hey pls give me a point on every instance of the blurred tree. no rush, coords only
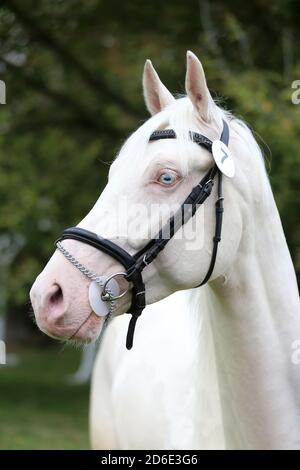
(72, 71)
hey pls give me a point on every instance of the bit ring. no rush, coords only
(106, 296)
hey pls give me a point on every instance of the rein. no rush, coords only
(135, 264)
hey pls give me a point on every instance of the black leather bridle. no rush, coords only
(135, 264)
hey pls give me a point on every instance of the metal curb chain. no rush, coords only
(89, 274)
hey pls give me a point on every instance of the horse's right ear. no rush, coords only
(196, 87)
(156, 95)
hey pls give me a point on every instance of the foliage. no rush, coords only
(72, 71)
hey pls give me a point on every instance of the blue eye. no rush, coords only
(167, 178)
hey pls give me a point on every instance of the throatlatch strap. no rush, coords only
(219, 212)
(218, 230)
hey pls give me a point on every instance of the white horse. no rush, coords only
(219, 372)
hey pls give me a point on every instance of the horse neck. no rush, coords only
(255, 318)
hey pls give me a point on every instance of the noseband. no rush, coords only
(135, 264)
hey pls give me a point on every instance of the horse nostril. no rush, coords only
(57, 296)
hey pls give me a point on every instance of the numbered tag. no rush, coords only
(99, 306)
(223, 158)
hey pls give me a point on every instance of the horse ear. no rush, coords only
(156, 95)
(196, 87)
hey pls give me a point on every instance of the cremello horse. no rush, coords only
(216, 369)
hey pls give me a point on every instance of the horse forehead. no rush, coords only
(161, 151)
(129, 168)
(170, 148)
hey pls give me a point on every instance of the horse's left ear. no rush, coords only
(196, 87)
(157, 96)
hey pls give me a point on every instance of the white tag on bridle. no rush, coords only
(99, 306)
(223, 158)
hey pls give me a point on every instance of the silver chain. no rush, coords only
(89, 274)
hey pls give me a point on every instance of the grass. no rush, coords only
(38, 409)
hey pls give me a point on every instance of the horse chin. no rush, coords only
(86, 333)
(89, 331)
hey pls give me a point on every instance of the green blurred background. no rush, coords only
(72, 71)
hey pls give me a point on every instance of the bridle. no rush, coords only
(135, 264)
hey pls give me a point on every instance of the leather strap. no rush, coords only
(218, 230)
(219, 212)
(102, 244)
(170, 134)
